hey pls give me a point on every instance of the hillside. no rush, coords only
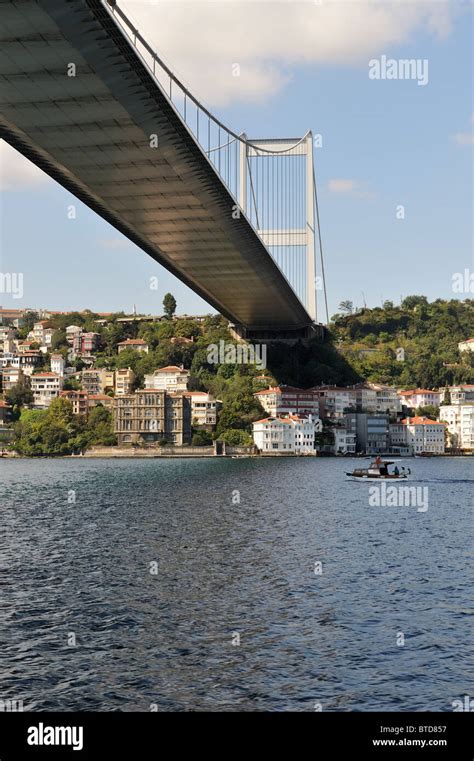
(424, 336)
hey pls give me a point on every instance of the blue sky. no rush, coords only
(385, 143)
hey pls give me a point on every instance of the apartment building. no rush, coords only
(334, 400)
(71, 332)
(11, 376)
(280, 401)
(149, 416)
(45, 388)
(124, 379)
(459, 394)
(371, 431)
(420, 397)
(79, 401)
(57, 364)
(97, 380)
(85, 344)
(459, 420)
(170, 378)
(344, 441)
(27, 360)
(204, 409)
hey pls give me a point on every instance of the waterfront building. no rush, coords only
(288, 435)
(45, 388)
(171, 378)
(344, 440)
(282, 400)
(459, 419)
(371, 431)
(124, 379)
(204, 408)
(424, 436)
(136, 344)
(150, 416)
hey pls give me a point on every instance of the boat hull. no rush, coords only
(350, 477)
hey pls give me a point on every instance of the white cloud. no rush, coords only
(341, 186)
(200, 40)
(464, 138)
(349, 187)
(16, 172)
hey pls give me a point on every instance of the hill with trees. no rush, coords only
(407, 346)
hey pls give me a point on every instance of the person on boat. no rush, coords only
(396, 472)
(378, 460)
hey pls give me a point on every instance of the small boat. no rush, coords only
(378, 471)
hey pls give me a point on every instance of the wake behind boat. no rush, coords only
(378, 471)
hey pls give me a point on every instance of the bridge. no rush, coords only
(85, 97)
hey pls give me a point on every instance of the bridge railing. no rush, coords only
(270, 180)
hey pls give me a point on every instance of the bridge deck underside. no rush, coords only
(91, 132)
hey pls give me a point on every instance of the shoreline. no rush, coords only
(104, 455)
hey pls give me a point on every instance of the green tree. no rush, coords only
(169, 305)
(19, 395)
(346, 307)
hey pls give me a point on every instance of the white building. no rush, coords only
(459, 419)
(424, 435)
(57, 364)
(45, 388)
(280, 401)
(203, 409)
(290, 435)
(71, 332)
(386, 399)
(467, 345)
(420, 397)
(334, 400)
(459, 394)
(171, 378)
(344, 441)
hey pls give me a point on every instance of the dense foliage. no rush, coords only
(56, 431)
(412, 345)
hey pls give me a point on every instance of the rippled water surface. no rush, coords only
(82, 571)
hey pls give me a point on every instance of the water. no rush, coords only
(82, 570)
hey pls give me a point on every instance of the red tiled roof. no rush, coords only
(422, 421)
(172, 369)
(129, 341)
